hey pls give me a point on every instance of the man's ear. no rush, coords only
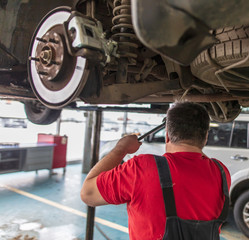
(206, 138)
(166, 136)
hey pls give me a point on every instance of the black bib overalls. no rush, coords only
(180, 229)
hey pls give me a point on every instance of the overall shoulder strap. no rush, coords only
(166, 185)
(225, 209)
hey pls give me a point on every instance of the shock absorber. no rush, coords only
(123, 33)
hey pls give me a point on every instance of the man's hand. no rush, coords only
(128, 144)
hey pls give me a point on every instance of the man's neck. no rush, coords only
(182, 147)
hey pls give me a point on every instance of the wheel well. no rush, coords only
(238, 190)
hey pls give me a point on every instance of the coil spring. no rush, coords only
(123, 29)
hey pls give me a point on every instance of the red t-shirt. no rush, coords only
(197, 185)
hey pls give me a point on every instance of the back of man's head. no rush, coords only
(187, 123)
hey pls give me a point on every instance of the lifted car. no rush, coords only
(54, 53)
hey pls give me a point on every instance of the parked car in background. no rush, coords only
(229, 143)
(13, 122)
(139, 127)
(110, 125)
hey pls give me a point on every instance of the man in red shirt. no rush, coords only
(197, 180)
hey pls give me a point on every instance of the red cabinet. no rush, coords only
(60, 148)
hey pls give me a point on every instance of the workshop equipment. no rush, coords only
(25, 157)
(60, 149)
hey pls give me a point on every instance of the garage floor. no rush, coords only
(38, 206)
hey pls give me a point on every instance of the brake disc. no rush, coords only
(56, 77)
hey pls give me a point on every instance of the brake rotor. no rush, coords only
(56, 77)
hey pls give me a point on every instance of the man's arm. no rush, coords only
(89, 192)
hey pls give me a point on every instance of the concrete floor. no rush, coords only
(38, 206)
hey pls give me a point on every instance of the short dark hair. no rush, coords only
(187, 122)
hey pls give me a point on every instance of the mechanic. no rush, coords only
(198, 186)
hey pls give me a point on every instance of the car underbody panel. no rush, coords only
(174, 27)
(119, 52)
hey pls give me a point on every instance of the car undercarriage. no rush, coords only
(55, 53)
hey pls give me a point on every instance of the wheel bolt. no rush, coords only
(55, 63)
(52, 40)
(34, 59)
(43, 73)
(41, 40)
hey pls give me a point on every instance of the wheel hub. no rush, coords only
(46, 56)
(50, 55)
(246, 214)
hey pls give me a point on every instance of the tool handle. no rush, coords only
(151, 131)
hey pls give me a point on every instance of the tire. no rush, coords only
(37, 113)
(242, 205)
(232, 47)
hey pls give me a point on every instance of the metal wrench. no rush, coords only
(162, 125)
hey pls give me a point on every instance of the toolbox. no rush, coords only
(60, 148)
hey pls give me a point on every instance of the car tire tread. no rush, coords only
(238, 212)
